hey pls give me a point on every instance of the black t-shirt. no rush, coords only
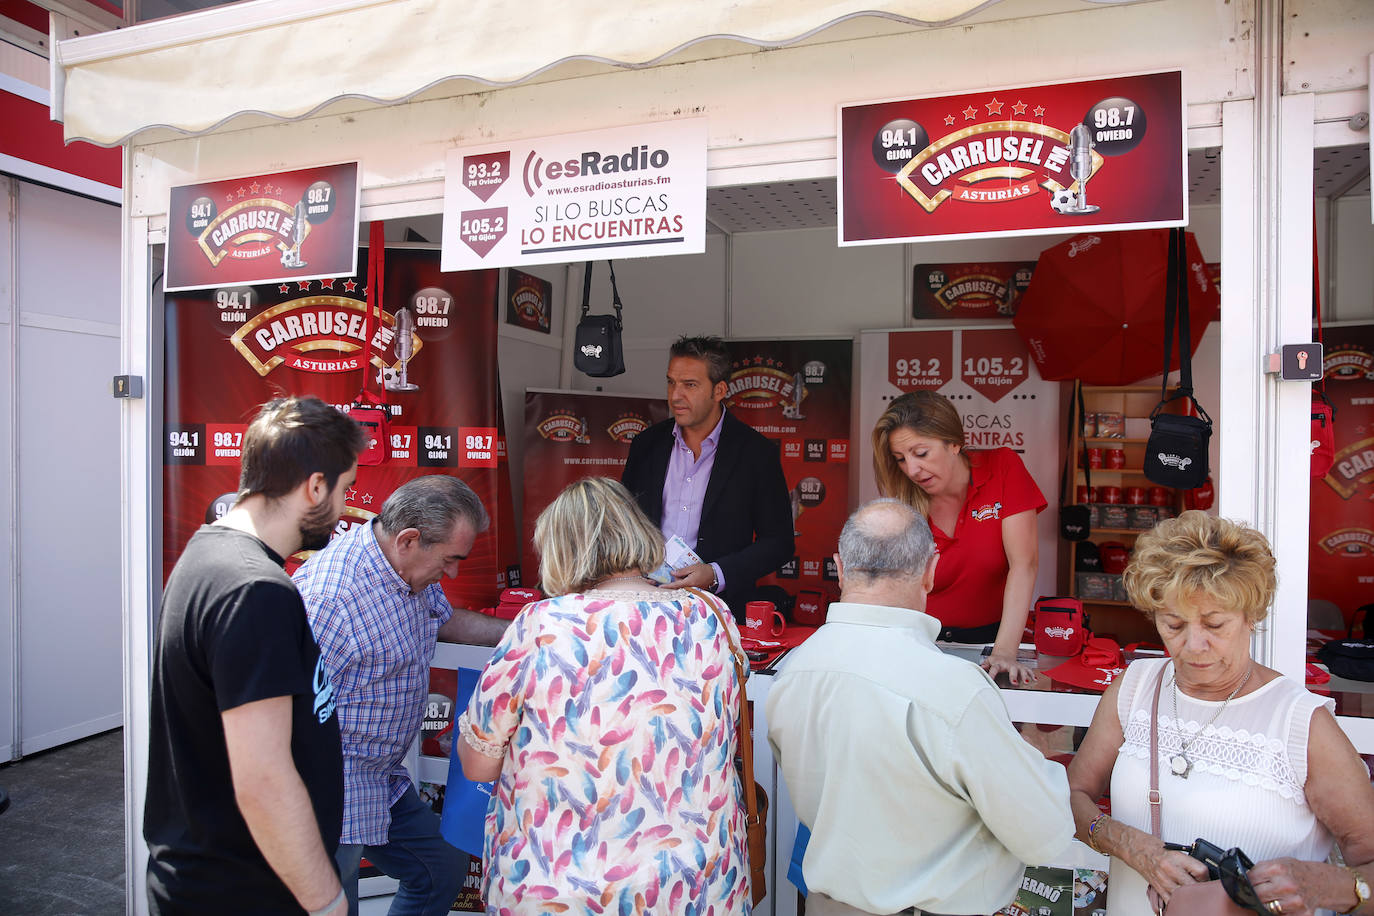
(233, 630)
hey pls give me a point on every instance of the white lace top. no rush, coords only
(1246, 785)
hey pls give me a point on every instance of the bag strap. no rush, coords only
(1153, 798)
(746, 738)
(1170, 313)
(1176, 309)
(376, 269)
(1065, 476)
(615, 293)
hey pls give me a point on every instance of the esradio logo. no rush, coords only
(564, 427)
(626, 427)
(316, 334)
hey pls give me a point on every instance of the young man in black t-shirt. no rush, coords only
(245, 785)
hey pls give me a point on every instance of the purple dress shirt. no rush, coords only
(684, 489)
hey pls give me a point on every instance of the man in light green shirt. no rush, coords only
(902, 760)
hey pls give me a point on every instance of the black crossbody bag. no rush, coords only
(597, 348)
(1176, 453)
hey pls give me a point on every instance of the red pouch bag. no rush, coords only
(1323, 434)
(1059, 627)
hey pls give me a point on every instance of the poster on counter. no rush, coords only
(797, 392)
(988, 290)
(988, 374)
(624, 192)
(574, 434)
(1029, 160)
(285, 226)
(230, 349)
(1341, 553)
(528, 301)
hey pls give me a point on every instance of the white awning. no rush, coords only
(289, 58)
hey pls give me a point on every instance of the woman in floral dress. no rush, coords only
(608, 717)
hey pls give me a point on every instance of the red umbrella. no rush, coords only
(1095, 306)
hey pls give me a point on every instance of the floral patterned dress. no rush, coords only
(615, 716)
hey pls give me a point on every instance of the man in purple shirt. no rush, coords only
(375, 607)
(712, 480)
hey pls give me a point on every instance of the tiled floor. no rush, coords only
(62, 839)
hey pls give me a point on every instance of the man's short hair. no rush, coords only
(886, 538)
(710, 350)
(432, 505)
(292, 438)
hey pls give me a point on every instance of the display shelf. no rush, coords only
(1110, 440)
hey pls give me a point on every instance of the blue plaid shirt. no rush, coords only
(377, 638)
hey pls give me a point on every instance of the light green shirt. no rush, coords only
(903, 762)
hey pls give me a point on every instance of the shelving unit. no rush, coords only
(1134, 402)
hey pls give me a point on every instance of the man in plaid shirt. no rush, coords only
(376, 608)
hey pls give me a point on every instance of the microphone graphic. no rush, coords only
(291, 257)
(1081, 166)
(405, 349)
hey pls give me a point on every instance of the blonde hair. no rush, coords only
(1198, 556)
(924, 413)
(591, 531)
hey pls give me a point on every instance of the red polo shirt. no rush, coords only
(972, 573)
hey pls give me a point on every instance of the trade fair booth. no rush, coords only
(718, 155)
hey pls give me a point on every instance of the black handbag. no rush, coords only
(1350, 657)
(597, 350)
(1075, 521)
(1176, 453)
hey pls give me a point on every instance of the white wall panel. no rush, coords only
(68, 467)
(8, 661)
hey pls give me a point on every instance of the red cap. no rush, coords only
(1100, 663)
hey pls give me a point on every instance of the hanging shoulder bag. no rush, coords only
(369, 408)
(597, 348)
(1075, 520)
(1176, 453)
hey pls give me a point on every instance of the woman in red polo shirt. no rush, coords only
(981, 507)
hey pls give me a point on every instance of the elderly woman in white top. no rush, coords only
(1246, 757)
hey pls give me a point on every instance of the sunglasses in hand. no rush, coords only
(1230, 867)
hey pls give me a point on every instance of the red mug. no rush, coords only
(1135, 496)
(1086, 494)
(1094, 457)
(1110, 494)
(810, 609)
(1116, 458)
(1159, 496)
(762, 621)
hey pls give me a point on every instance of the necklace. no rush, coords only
(639, 578)
(1180, 764)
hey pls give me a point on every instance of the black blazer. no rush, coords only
(746, 518)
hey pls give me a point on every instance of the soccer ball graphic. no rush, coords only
(388, 377)
(1064, 201)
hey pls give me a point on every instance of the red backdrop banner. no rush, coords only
(989, 290)
(574, 434)
(1010, 161)
(228, 350)
(798, 393)
(1341, 554)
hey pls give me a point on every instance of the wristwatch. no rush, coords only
(1362, 892)
(715, 582)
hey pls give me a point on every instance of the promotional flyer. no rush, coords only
(989, 376)
(988, 290)
(1063, 157)
(1341, 555)
(230, 349)
(624, 192)
(574, 434)
(797, 392)
(300, 225)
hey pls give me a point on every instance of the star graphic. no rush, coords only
(1019, 108)
(284, 288)
(350, 494)
(970, 113)
(228, 198)
(349, 286)
(994, 107)
(303, 284)
(242, 191)
(1039, 111)
(367, 499)
(254, 187)
(949, 120)
(327, 284)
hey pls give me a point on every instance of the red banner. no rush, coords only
(287, 226)
(1066, 157)
(231, 349)
(989, 290)
(574, 434)
(798, 392)
(1341, 553)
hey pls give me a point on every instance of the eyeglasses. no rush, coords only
(1230, 866)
